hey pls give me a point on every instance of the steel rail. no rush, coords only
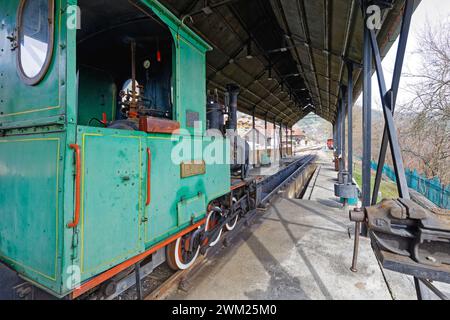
(307, 161)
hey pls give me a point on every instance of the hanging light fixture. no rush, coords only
(249, 50)
(206, 8)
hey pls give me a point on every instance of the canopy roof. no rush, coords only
(287, 55)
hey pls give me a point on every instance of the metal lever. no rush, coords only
(358, 216)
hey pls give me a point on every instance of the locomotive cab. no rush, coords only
(90, 115)
(124, 65)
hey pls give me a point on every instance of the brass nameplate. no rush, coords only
(193, 168)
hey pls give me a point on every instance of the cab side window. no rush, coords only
(35, 21)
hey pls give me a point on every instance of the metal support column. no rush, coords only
(292, 140)
(274, 142)
(335, 144)
(350, 119)
(389, 100)
(287, 141)
(255, 161)
(265, 135)
(281, 140)
(339, 135)
(334, 135)
(361, 228)
(343, 116)
(367, 119)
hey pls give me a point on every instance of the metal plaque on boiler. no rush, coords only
(193, 168)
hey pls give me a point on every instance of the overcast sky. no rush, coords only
(431, 11)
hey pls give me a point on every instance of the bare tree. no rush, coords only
(377, 132)
(424, 122)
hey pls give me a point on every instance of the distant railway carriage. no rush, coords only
(330, 144)
(89, 185)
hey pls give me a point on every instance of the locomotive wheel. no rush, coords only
(211, 222)
(232, 224)
(178, 255)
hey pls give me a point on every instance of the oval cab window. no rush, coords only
(35, 30)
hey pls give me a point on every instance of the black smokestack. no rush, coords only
(233, 92)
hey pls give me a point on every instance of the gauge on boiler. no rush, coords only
(147, 64)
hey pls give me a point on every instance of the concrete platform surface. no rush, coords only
(298, 249)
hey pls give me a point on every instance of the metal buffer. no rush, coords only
(405, 237)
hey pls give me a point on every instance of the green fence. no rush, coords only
(433, 189)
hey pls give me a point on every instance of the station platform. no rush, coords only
(298, 249)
